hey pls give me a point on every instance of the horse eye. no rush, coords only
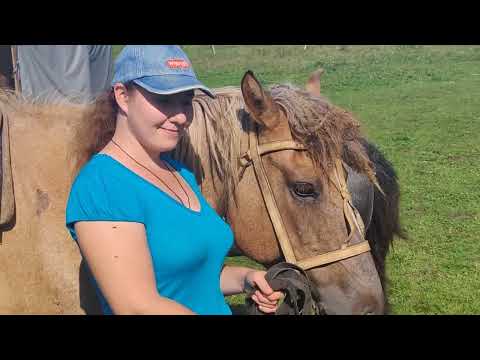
(304, 189)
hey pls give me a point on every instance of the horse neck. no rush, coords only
(212, 147)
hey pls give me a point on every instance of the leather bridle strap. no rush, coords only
(268, 198)
(333, 256)
(246, 158)
(350, 212)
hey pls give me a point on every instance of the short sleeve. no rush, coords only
(100, 194)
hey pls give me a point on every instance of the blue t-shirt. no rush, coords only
(188, 248)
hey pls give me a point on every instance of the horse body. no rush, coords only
(39, 264)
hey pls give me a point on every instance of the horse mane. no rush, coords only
(327, 131)
(218, 122)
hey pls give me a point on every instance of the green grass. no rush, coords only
(421, 106)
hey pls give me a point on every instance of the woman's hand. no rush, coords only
(264, 296)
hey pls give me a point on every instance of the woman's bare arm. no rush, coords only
(118, 256)
(232, 279)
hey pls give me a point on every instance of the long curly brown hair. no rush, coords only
(100, 120)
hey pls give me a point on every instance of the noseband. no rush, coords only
(253, 156)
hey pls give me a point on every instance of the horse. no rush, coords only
(302, 144)
(317, 152)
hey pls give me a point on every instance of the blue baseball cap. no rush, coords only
(160, 69)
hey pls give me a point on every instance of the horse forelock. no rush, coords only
(327, 131)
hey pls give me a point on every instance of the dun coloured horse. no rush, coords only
(278, 165)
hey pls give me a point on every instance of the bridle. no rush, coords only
(253, 156)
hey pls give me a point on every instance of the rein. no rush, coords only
(301, 298)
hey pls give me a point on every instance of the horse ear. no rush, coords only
(313, 83)
(259, 102)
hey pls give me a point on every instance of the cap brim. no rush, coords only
(171, 84)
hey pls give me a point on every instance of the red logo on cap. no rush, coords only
(177, 64)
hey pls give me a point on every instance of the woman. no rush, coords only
(151, 241)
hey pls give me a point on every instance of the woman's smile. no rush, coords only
(171, 131)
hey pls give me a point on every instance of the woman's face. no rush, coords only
(159, 121)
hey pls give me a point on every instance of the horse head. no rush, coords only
(308, 189)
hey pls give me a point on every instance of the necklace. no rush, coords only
(157, 177)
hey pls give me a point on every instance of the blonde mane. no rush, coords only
(215, 134)
(218, 130)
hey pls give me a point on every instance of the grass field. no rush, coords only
(421, 106)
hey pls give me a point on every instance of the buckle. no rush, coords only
(245, 159)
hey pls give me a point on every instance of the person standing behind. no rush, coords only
(78, 73)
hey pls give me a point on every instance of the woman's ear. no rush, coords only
(121, 96)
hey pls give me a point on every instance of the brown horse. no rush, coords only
(309, 203)
(40, 268)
